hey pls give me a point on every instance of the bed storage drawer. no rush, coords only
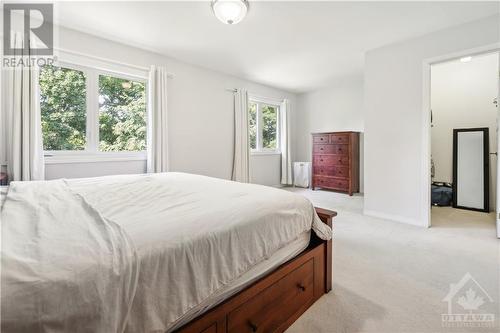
(265, 312)
(211, 329)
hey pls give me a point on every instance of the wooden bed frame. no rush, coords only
(276, 300)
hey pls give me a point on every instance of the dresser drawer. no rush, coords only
(323, 149)
(321, 138)
(333, 183)
(331, 149)
(333, 171)
(339, 138)
(341, 149)
(265, 312)
(330, 160)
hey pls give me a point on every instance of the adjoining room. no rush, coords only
(464, 132)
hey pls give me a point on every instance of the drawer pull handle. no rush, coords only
(253, 326)
(321, 160)
(301, 287)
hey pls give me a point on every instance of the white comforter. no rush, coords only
(134, 253)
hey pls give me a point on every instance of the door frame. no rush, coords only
(425, 154)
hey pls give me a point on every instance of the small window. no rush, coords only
(263, 127)
(269, 127)
(63, 108)
(122, 114)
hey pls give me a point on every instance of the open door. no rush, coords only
(496, 102)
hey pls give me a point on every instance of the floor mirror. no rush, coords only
(471, 169)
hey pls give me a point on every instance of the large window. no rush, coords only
(263, 126)
(84, 109)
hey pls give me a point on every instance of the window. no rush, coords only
(63, 108)
(90, 111)
(122, 114)
(263, 127)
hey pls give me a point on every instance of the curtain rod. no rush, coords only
(146, 69)
(259, 98)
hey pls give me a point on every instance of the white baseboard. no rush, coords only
(395, 218)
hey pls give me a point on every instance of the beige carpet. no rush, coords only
(391, 277)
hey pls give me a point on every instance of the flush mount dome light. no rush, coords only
(230, 11)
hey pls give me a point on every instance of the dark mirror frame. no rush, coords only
(486, 175)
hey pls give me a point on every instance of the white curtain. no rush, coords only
(158, 121)
(241, 162)
(286, 158)
(23, 129)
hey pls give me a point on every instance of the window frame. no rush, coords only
(91, 152)
(263, 101)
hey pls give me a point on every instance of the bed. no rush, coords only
(159, 253)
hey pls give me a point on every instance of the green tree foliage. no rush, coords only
(122, 115)
(122, 111)
(269, 126)
(252, 126)
(63, 108)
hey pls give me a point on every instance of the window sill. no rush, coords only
(265, 153)
(85, 157)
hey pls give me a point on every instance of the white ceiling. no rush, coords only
(297, 46)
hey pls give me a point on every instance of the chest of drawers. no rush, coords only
(335, 161)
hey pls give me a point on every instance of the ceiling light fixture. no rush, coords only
(230, 11)
(465, 59)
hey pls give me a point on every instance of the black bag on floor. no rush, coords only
(441, 194)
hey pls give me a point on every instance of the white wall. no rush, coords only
(338, 107)
(265, 169)
(462, 96)
(79, 170)
(200, 115)
(394, 117)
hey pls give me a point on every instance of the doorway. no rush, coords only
(464, 140)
